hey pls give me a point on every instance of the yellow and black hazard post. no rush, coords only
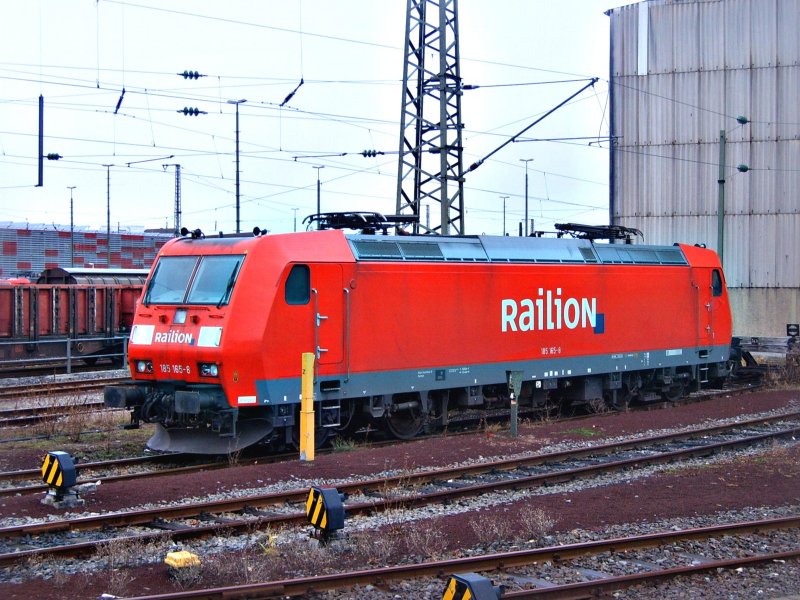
(471, 586)
(58, 472)
(325, 512)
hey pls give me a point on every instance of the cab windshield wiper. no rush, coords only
(146, 297)
(229, 286)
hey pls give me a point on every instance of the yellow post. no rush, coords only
(307, 409)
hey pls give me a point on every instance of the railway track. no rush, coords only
(49, 388)
(108, 471)
(576, 581)
(31, 415)
(402, 491)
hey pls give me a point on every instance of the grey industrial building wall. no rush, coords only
(681, 72)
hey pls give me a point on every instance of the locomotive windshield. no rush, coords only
(193, 280)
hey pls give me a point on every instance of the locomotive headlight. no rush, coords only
(144, 366)
(209, 370)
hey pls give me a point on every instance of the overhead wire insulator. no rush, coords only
(370, 153)
(191, 75)
(192, 111)
(53, 156)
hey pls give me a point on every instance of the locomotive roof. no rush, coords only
(508, 249)
(464, 249)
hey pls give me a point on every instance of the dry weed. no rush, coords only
(308, 559)
(533, 523)
(492, 529)
(122, 553)
(425, 540)
(370, 549)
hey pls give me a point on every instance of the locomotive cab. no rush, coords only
(175, 351)
(214, 316)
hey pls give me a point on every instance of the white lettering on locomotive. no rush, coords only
(173, 337)
(548, 311)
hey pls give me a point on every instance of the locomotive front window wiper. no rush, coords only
(146, 300)
(229, 288)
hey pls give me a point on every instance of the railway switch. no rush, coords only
(471, 586)
(325, 512)
(59, 473)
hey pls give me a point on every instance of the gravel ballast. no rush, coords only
(721, 490)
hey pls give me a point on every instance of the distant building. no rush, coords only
(682, 71)
(27, 249)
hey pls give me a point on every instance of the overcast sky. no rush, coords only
(81, 54)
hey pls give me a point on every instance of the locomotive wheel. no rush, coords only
(598, 406)
(404, 420)
(322, 435)
(673, 392)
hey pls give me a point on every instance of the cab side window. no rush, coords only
(298, 285)
(716, 283)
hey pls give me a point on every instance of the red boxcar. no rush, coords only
(406, 328)
(83, 315)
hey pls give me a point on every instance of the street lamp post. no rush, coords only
(237, 103)
(526, 161)
(71, 228)
(318, 193)
(108, 215)
(723, 139)
(108, 201)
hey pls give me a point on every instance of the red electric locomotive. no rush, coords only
(409, 328)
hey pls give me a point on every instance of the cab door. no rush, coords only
(702, 293)
(327, 297)
(712, 321)
(719, 318)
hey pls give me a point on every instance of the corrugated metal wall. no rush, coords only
(26, 251)
(707, 62)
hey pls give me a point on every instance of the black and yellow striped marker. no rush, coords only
(58, 470)
(471, 586)
(324, 509)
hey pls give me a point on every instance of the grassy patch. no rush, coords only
(343, 444)
(585, 432)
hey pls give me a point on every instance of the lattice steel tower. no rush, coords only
(430, 165)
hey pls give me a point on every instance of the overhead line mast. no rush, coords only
(431, 152)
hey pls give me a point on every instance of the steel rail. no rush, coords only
(30, 415)
(101, 464)
(506, 560)
(154, 517)
(590, 589)
(214, 464)
(299, 495)
(34, 473)
(56, 387)
(218, 463)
